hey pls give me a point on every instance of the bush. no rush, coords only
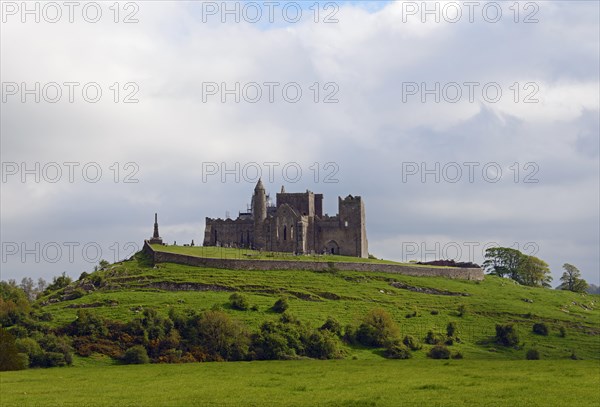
(54, 359)
(221, 337)
(562, 332)
(439, 352)
(281, 305)
(457, 355)
(540, 329)
(239, 301)
(136, 355)
(462, 310)
(532, 354)
(10, 359)
(451, 329)
(433, 339)
(506, 335)
(32, 349)
(332, 325)
(377, 329)
(434, 312)
(412, 342)
(323, 345)
(397, 351)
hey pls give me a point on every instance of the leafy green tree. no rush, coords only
(534, 272)
(14, 304)
(502, 262)
(59, 282)
(571, 280)
(511, 263)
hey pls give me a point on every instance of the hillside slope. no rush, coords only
(418, 304)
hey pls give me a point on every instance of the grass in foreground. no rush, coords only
(311, 383)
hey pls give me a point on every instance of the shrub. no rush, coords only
(433, 339)
(540, 329)
(332, 325)
(449, 341)
(281, 305)
(377, 329)
(10, 358)
(397, 351)
(457, 355)
(136, 355)
(562, 332)
(221, 337)
(439, 352)
(451, 329)
(239, 301)
(54, 359)
(532, 354)
(412, 342)
(506, 335)
(323, 345)
(32, 349)
(434, 312)
(350, 334)
(462, 310)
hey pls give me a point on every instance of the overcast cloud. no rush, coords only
(377, 132)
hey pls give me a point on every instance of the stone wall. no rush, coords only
(236, 264)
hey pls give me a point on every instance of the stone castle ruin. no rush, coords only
(295, 224)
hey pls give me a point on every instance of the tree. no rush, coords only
(14, 304)
(10, 358)
(502, 262)
(571, 280)
(527, 270)
(534, 272)
(59, 282)
(28, 287)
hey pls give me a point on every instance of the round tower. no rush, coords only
(259, 203)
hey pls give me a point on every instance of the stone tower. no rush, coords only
(259, 214)
(352, 221)
(156, 239)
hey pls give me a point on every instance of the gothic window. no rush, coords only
(285, 233)
(346, 223)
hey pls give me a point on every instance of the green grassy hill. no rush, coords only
(418, 304)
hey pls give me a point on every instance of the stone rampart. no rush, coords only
(249, 264)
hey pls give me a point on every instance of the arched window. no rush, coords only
(215, 236)
(242, 238)
(248, 236)
(285, 233)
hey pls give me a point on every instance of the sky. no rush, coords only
(463, 125)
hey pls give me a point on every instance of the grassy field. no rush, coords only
(231, 253)
(133, 285)
(311, 383)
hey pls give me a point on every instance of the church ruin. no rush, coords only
(295, 224)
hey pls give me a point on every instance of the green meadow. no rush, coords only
(311, 383)
(489, 374)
